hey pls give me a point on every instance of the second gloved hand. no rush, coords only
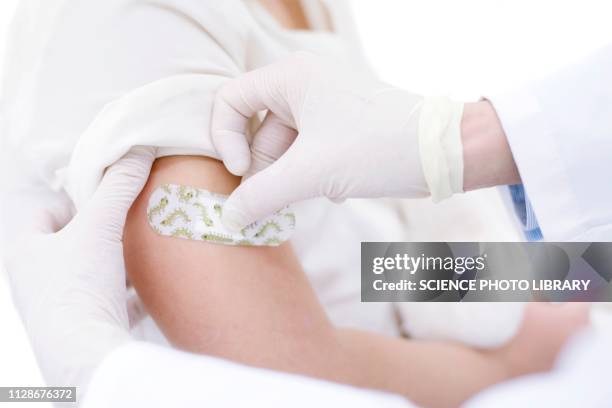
(332, 131)
(69, 286)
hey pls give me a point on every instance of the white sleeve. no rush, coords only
(144, 375)
(112, 74)
(191, 48)
(560, 133)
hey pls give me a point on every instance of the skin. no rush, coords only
(289, 13)
(254, 305)
(487, 157)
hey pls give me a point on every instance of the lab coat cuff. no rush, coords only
(531, 138)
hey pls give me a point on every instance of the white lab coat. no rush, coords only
(560, 133)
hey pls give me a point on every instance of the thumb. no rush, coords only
(122, 183)
(266, 192)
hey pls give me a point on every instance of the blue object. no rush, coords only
(525, 213)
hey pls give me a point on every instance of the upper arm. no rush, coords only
(218, 299)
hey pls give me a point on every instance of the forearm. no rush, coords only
(419, 369)
(487, 157)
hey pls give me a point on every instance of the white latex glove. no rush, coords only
(69, 286)
(358, 137)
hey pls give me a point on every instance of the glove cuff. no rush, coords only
(440, 146)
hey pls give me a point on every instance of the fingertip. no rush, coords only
(147, 153)
(237, 165)
(233, 150)
(233, 219)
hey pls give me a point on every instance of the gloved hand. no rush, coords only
(69, 286)
(332, 131)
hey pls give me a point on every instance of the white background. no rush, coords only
(463, 49)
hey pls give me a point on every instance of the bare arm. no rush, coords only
(487, 156)
(255, 305)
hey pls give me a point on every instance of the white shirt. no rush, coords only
(86, 81)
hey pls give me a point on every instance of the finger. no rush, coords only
(122, 183)
(272, 140)
(266, 192)
(235, 103)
